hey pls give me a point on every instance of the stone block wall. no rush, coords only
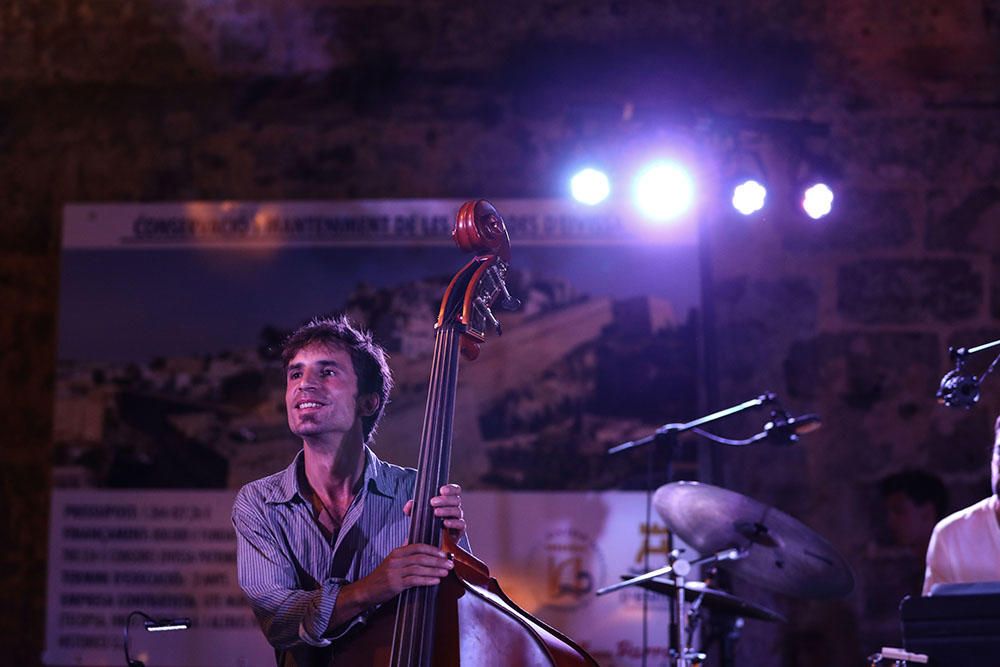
(849, 317)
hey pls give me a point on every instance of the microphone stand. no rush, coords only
(667, 435)
(962, 352)
(668, 432)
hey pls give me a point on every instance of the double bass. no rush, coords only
(466, 620)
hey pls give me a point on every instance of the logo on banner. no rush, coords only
(572, 567)
(655, 541)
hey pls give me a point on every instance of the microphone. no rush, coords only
(958, 389)
(785, 430)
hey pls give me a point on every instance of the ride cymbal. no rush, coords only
(782, 554)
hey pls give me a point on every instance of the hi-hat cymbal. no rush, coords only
(783, 554)
(712, 598)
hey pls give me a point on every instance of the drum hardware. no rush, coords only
(700, 594)
(753, 536)
(686, 614)
(750, 539)
(900, 657)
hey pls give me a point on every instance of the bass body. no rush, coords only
(475, 625)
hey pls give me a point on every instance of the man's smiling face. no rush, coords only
(321, 394)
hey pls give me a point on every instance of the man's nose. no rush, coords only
(309, 379)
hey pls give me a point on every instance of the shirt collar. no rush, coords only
(376, 478)
(289, 484)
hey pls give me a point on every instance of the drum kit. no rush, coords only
(749, 539)
(762, 545)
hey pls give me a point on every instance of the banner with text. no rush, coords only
(170, 393)
(171, 554)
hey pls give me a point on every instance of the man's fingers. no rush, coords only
(423, 581)
(411, 556)
(419, 548)
(448, 512)
(427, 570)
(419, 561)
(449, 504)
(447, 507)
(421, 571)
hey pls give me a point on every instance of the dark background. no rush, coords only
(850, 318)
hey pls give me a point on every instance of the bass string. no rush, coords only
(435, 446)
(414, 623)
(428, 433)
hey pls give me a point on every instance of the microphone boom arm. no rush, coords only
(766, 398)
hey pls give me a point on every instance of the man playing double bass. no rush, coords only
(322, 543)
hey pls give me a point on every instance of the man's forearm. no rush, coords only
(352, 600)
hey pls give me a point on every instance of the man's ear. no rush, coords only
(368, 404)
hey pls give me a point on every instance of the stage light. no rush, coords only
(817, 200)
(749, 196)
(663, 191)
(590, 186)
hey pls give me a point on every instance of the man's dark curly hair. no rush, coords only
(368, 358)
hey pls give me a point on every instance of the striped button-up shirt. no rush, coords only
(291, 572)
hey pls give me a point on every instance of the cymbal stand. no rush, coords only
(683, 655)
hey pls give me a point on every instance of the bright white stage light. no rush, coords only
(817, 201)
(590, 186)
(664, 191)
(749, 196)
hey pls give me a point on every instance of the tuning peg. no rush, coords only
(507, 302)
(510, 303)
(485, 311)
